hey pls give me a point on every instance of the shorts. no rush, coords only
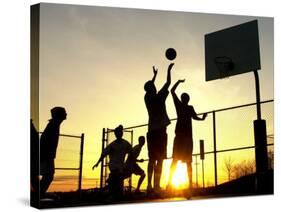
(134, 169)
(157, 144)
(183, 147)
(47, 167)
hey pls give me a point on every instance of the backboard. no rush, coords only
(232, 51)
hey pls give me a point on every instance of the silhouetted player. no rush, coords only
(48, 148)
(183, 143)
(158, 121)
(116, 151)
(131, 166)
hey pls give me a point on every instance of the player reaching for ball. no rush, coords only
(157, 124)
(183, 143)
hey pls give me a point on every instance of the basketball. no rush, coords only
(171, 54)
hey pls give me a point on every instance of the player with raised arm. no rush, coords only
(183, 142)
(157, 124)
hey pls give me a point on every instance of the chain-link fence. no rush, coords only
(228, 136)
(68, 164)
(109, 137)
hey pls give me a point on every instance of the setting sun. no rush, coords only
(179, 179)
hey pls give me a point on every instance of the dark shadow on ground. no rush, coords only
(243, 186)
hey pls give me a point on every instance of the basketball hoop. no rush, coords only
(224, 65)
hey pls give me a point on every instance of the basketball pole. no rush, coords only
(203, 175)
(261, 156)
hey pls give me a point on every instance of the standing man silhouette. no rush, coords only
(48, 148)
(117, 151)
(157, 124)
(183, 142)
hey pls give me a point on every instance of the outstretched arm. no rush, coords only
(168, 82)
(155, 70)
(100, 159)
(97, 163)
(176, 85)
(196, 117)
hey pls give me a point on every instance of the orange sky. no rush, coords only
(94, 62)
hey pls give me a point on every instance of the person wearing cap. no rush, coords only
(48, 148)
(157, 123)
(117, 151)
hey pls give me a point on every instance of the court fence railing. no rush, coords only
(131, 129)
(79, 168)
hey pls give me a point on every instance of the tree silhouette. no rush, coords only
(271, 159)
(244, 168)
(228, 167)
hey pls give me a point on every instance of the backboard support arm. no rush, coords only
(257, 82)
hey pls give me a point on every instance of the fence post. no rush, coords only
(215, 148)
(81, 163)
(202, 157)
(102, 162)
(196, 164)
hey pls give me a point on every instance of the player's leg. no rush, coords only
(189, 151)
(172, 170)
(115, 184)
(161, 151)
(176, 155)
(45, 183)
(142, 176)
(189, 171)
(157, 174)
(151, 161)
(138, 171)
(150, 170)
(47, 176)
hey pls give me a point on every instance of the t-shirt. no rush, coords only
(49, 140)
(117, 151)
(185, 113)
(156, 108)
(133, 155)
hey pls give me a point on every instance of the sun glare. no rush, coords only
(180, 179)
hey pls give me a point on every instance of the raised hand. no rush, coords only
(170, 66)
(155, 70)
(95, 166)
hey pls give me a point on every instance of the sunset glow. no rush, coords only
(180, 178)
(93, 65)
